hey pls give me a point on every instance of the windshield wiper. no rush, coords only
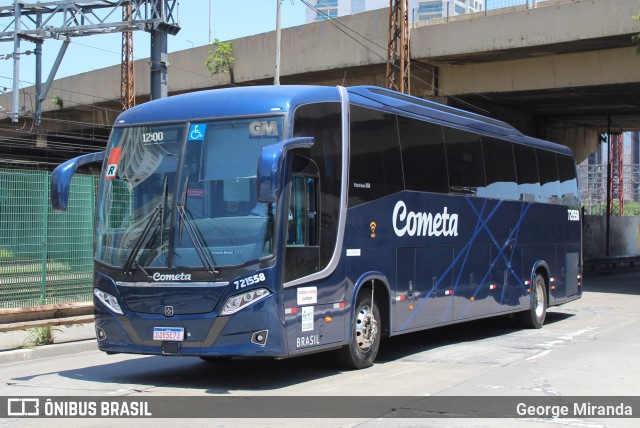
(157, 212)
(193, 235)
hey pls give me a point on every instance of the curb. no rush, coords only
(54, 350)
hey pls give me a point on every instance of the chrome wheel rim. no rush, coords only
(538, 300)
(366, 328)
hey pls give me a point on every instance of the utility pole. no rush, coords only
(616, 156)
(398, 55)
(127, 76)
(276, 74)
(159, 58)
(16, 62)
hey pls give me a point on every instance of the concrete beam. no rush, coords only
(551, 28)
(603, 67)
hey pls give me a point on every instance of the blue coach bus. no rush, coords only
(281, 221)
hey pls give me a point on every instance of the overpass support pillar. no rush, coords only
(582, 141)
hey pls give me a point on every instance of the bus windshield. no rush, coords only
(184, 195)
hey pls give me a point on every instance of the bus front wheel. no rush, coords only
(535, 315)
(363, 347)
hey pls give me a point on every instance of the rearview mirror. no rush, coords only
(61, 178)
(270, 167)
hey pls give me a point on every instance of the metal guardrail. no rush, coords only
(612, 262)
(46, 315)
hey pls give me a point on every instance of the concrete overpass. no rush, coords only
(558, 71)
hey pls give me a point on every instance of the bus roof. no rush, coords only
(399, 103)
(226, 102)
(253, 100)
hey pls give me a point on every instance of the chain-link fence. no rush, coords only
(45, 256)
(593, 189)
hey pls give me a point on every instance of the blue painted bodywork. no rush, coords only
(426, 282)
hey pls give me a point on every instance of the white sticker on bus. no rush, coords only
(307, 295)
(112, 169)
(574, 215)
(307, 318)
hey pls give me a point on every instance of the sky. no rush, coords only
(230, 19)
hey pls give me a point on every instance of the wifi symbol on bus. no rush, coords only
(373, 227)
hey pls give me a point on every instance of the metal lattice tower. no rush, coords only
(64, 19)
(616, 180)
(127, 76)
(398, 54)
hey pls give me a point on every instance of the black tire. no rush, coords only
(535, 315)
(363, 348)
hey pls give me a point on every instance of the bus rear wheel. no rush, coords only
(363, 347)
(535, 315)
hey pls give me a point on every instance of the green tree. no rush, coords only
(221, 59)
(57, 101)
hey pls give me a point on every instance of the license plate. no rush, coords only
(175, 334)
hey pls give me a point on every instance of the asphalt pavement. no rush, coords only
(18, 345)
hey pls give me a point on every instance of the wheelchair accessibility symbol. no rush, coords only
(196, 132)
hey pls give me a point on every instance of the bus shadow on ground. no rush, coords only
(403, 346)
(177, 374)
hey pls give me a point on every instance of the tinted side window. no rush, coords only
(323, 122)
(527, 172)
(376, 169)
(500, 169)
(549, 180)
(464, 159)
(423, 156)
(568, 181)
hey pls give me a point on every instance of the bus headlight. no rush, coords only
(108, 300)
(241, 301)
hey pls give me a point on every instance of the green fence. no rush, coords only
(45, 256)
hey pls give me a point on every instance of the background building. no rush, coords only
(420, 10)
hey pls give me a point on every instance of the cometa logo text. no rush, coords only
(423, 224)
(171, 277)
